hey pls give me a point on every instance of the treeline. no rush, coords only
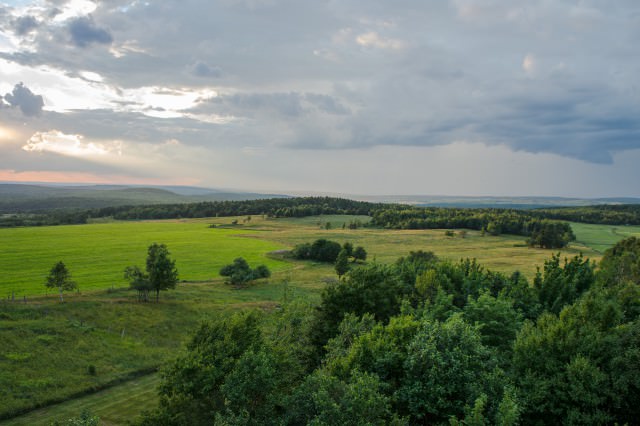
(74, 217)
(424, 341)
(492, 220)
(625, 214)
(273, 207)
(541, 231)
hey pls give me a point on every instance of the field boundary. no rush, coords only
(89, 391)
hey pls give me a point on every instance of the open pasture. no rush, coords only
(601, 237)
(504, 253)
(97, 254)
(49, 347)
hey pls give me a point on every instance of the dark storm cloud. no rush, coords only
(290, 104)
(201, 69)
(21, 97)
(25, 24)
(84, 32)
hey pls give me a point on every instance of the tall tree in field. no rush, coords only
(161, 270)
(59, 277)
(139, 281)
(160, 273)
(342, 263)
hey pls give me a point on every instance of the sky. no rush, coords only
(424, 97)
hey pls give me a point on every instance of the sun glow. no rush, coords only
(72, 145)
(6, 134)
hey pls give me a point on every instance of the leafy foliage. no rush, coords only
(161, 273)
(549, 234)
(342, 263)
(560, 286)
(239, 272)
(60, 278)
(371, 289)
(426, 342)
(322, 250)
(85, 419)
(541, 231)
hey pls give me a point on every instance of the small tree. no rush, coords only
(359, 253)
(138, 281)
(342, 263)
(59, 277)
(161, 273)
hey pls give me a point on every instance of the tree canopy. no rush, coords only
(60, 278)
(160, 273)
(239, 272)
(425, 341)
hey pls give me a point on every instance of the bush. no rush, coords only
(240, 273)
(321, 250)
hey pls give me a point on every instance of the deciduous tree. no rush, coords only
(59, 277)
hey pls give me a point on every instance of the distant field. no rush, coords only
(504, 253)
(601, 237)
(97, 254)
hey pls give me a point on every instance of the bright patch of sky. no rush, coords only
(58, 142)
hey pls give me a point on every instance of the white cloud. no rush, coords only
(91, 76)
(75, 8)
(372, 39)
(74, 145)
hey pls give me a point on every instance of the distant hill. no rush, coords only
(24, 198)
(495, 202)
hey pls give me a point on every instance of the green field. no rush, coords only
(504, 253)
(97, 254)
(601, 237)
(48, 346)
(114, 406)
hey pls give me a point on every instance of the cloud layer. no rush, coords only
(238, 79)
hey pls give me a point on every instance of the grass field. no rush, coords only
(97, 254)
(601, 237)
(504, 253)
(114, 406)
(48, 346)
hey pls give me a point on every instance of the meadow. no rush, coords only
(601, 237)
(101, 336)
(97, 254)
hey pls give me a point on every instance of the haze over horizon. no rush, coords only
(459, 97)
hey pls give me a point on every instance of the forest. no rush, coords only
(424, 341)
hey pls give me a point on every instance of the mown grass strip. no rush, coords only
(115, 405)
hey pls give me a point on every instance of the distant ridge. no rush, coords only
(30, 197)
(24, 198)
(497, 202)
